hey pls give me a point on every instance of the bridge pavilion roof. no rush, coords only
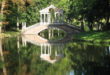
(46, 10)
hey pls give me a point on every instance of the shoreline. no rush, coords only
(95, 37)
(9, 34)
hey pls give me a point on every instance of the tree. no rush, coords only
(89, 12)
(3, 2)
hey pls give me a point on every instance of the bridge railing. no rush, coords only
(72, 26)
(37, 24)
(29, 27)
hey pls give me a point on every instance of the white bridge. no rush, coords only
(37, 28)
(50, 17)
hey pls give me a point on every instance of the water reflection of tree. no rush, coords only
(2, 59)
(80, 57)
(23, 60)
(53, 34)
(88, 59)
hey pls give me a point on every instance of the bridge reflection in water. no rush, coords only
(50, 51)
(34, 57)
(45, 47)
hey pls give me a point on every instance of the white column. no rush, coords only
(50, 49)
(62, 18)
(17, 25)
(44, 18)
(23, 25)
(55, 18)
(41, 18)
(49, 33)
(59, 18)
(44, 49)
(58, 32)
(48, 18)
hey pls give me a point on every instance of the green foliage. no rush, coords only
(2, 18)
(90, 11)
(94, 36)
(85, 12)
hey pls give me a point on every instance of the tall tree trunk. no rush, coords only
(82, 24)
(107, 23)
(108, 15)
(1, 13)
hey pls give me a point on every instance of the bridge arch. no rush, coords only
(38, 28)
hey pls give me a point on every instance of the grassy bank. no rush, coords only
(9, 34)
(99, 37)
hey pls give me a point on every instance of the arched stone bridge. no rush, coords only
(37, 28)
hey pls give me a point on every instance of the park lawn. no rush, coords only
(99, 37)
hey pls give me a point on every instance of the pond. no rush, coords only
(53, 34)
(36, 55)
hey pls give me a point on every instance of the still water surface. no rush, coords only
(36, 55)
